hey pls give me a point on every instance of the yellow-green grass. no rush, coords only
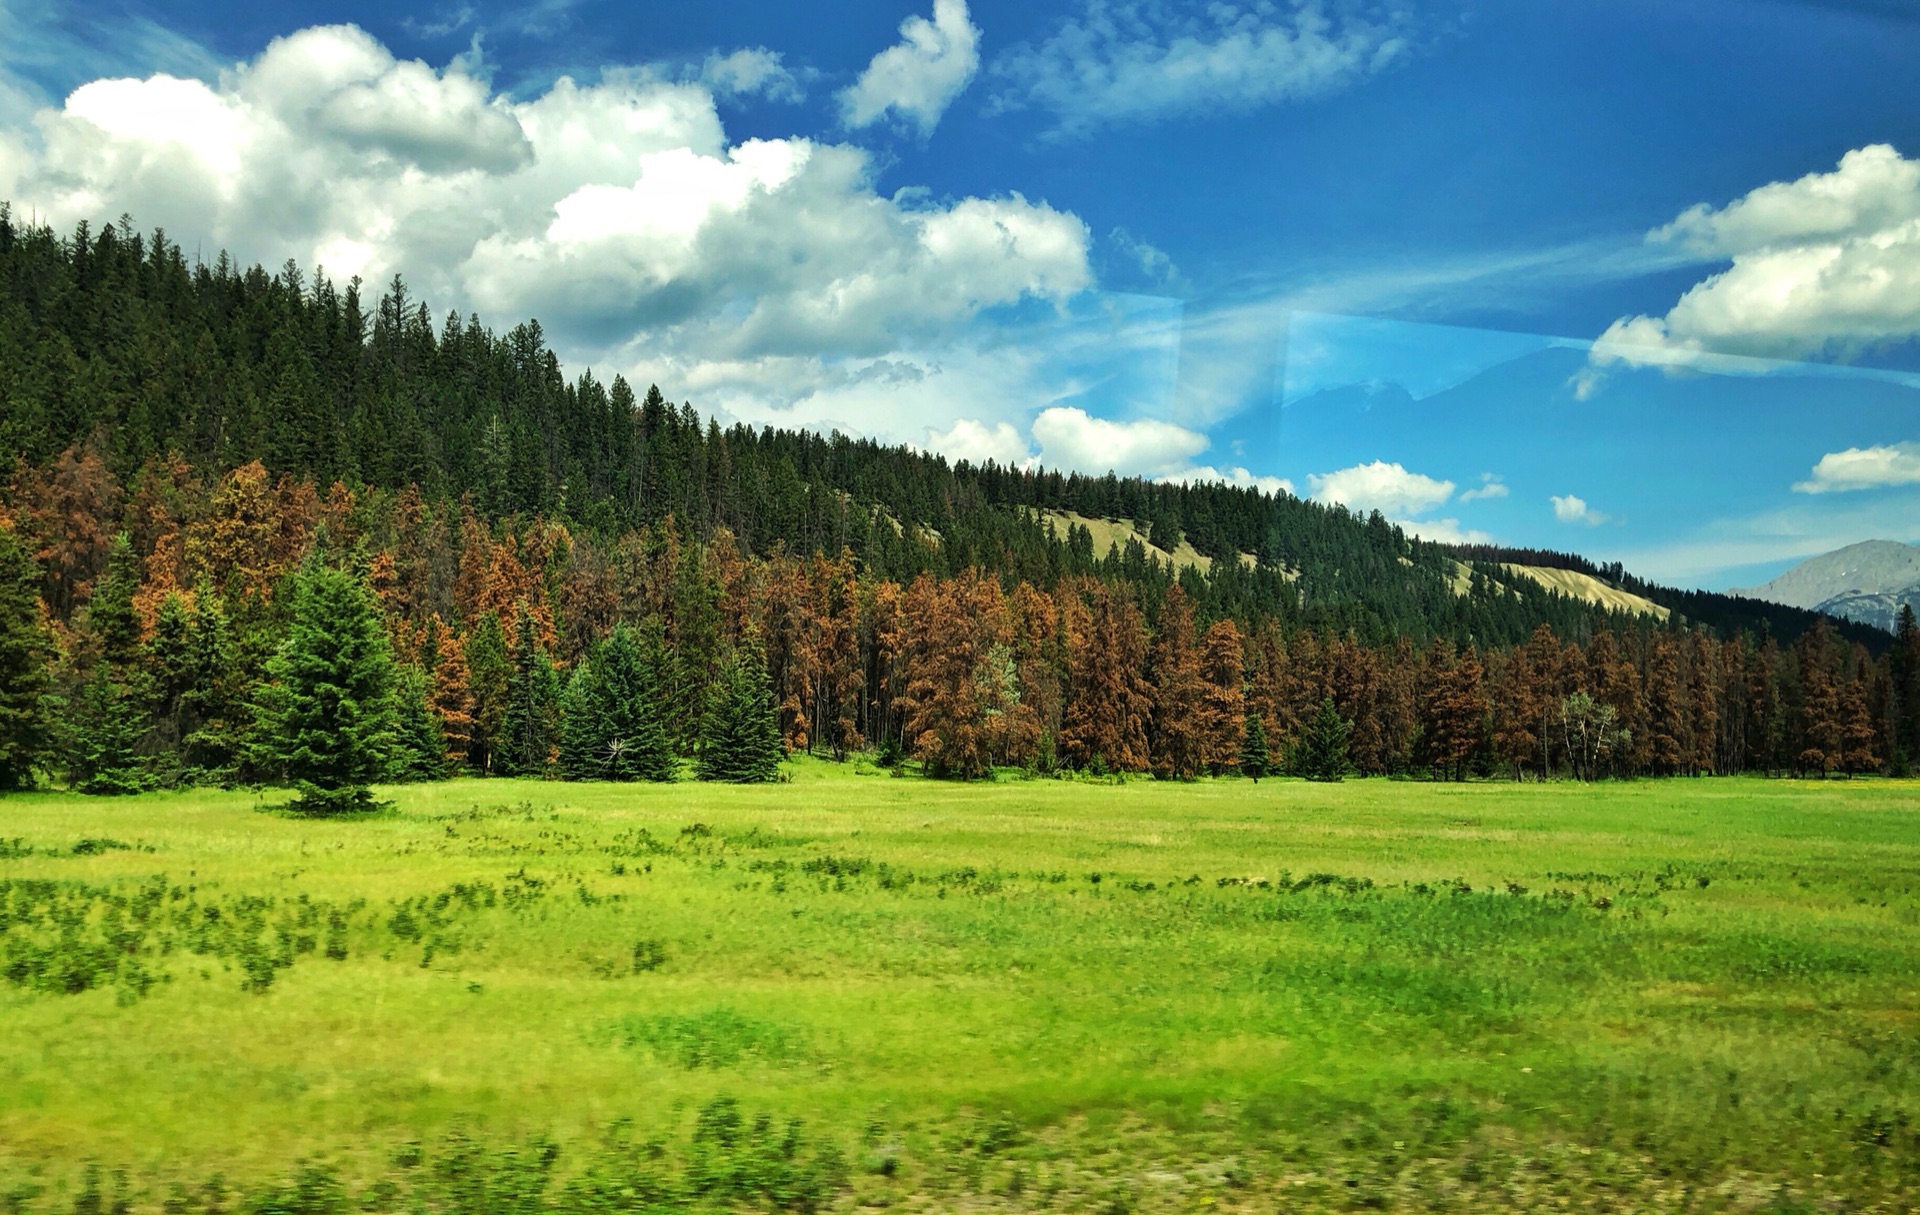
(1709, 987)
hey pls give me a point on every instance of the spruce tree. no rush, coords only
(326, 722)
(489, 672)
(110, 615)
(26, 718)
(581, 727)
(1253, 748)
(529, 727)
(420, 747)
(632, 740)
(1322, 755)
(214, 699)
(105, 726)
(1903, 664)
(740, 740)
(109, 715)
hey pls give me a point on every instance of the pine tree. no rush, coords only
(740, 742)
(214, 698)
(105, 729)
(489, 671)
(110, 615)
(1322, 753)
(631, 741)
(420, 746)
(326, 723)
(1179, 730)
(529, 727)
(26, 719)
(1903, 665)
(1224, 703)
(582, 729)
(1253, 748)
(450, 696)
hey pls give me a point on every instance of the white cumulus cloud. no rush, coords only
(1071, 438)
(1491, 486)
(753, 71)
(617, 211)
(972, 439)
(1387, 488)
(1238, 477)
(1825, 266)
(920, 76)
(1130, 61)
(1571, 509)
(1443, 531)
(1864, 468)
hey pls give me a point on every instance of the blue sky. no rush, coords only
(1636, 279)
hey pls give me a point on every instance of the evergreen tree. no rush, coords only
(1322, 754)
(105, 729)
(489, 672)
(214, 699)
(740, 741)
(1253, 748)
(26, 719)
(631, 743)
(420, 745)
(582, 729)
(110, 615)
(326, 722)
(1903, 666)
(529, 728)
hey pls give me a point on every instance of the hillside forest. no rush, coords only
(566, 578)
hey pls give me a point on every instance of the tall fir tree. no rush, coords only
(740, 741)
(326, 722)
(26, 710)
(529, 728)
(631, 742)
(582, 729)
(1322, 754)
(1254, 759)
(489, 672)
(1903, 669)
(215, 701)
(420, 746)
(104, 730)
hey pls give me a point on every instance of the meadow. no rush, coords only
(855, 990)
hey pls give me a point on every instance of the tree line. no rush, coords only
(118, 343)
(184, 629)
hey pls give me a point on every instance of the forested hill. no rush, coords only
(115, 341)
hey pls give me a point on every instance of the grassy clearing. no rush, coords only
(499, 995)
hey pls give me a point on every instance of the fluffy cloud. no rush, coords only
(1128, 62)
(1491, 486)
(1571, 509)
(1398, 495)
(919, 77)
(1443, 531)
(1236, 476)
(972, 439)
(1864, 468)
(1387, 488)
(618, 211)
(1071, 438)
(1824, 266)
(755, 71)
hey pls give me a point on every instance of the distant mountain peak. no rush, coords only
(1867, 582)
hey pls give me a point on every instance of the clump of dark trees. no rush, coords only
(262, 532)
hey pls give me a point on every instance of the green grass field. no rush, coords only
(1030, 995)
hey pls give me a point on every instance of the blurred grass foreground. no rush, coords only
(855, 991)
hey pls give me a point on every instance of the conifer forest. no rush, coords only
(223, 472)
